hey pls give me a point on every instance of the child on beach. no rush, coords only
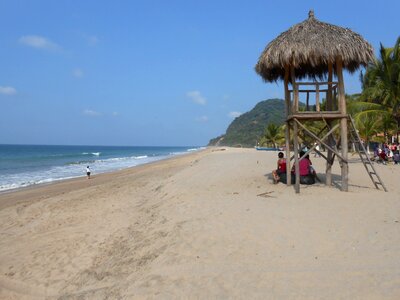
(281, 168)
(88, 172)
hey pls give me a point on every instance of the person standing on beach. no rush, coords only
(88, 172)
(316, 152)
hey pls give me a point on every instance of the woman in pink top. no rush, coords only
(307, 173)
(304, 166)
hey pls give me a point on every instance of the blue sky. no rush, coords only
(150, 72)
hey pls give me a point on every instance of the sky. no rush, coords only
(151, 73)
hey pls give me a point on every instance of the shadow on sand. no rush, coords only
(336, 181)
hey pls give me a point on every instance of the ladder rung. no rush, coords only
(365, 159)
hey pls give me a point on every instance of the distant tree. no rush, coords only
(361, 110)
(388, 124)
(273, 135)
(368, 126)
(381, 82)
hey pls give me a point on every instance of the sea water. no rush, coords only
(25, 165)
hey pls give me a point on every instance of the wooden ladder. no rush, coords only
(355, 138)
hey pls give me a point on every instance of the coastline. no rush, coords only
(31, 165)
(53, 188)
(206, 224)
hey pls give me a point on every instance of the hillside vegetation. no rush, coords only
(248, 128)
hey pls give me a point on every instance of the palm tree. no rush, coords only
(367, 126)
(273, 135)
(361, 110)
(381, 82)
(388, 124)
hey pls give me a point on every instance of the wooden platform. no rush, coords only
(316, 115)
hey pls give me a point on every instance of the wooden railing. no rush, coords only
(330, 89)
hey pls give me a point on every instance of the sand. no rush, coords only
(205, 225)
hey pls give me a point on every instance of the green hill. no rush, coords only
(246, 129)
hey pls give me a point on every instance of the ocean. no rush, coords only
(26, 165)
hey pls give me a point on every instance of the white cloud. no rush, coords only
(196, 97)
(234, 114)
(114, 114)
(92, 40)
(78, 73)
(7, 90)
(202, 119)
(38, 42)
(92, 113)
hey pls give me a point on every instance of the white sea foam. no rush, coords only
(91, 153)
(78, 169)
(188, 150)
(55, 173)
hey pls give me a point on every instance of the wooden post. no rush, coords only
(295, 90)
(296, 157)
(287, 92)
(329, 92)
(329, 106)
(317, 97)
(295, 129)
(334, 98)
(287, 130)
(343, 125)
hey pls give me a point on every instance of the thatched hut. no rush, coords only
(316, 51)
(310, 47)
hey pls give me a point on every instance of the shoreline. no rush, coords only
(45, 164)
(77, 180)
(210, 224)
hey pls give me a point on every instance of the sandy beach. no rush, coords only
(210, 224)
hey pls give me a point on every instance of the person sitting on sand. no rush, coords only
(376, 153)
(382, 157)
(312, 170)
(281, 168)
(396, 157)
(307, 172)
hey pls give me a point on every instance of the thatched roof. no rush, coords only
(309, 46)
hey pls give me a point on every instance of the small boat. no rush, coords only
(268, 149)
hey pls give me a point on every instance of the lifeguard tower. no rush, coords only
(317, 51)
